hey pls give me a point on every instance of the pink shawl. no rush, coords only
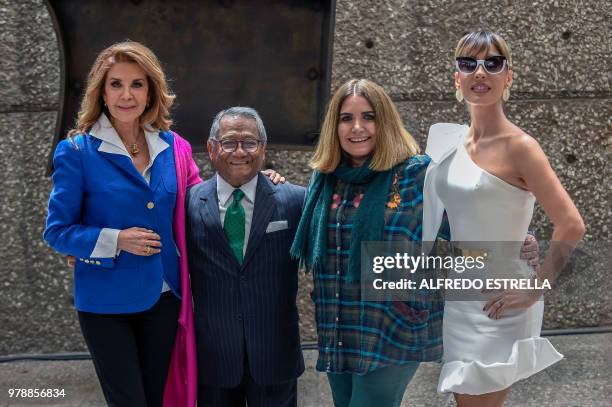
(182, 383)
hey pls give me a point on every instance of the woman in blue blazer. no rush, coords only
(111, 207)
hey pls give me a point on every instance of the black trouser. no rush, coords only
(131, 352)
(248, 392)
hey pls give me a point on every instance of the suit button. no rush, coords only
(243, 279)
(150, 205)
(98, 262)
(239, 316)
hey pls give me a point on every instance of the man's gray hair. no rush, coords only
(238, 111)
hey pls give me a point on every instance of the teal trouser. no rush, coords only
(383, 387)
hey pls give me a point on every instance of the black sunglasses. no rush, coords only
(493, 65)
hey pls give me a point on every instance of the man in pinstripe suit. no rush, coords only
(240, 227)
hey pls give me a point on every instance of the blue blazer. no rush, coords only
(94, 190)
(249, 309)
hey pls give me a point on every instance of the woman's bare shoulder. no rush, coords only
(521, 143)
(525, 151)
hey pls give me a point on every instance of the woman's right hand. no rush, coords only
(139, 241)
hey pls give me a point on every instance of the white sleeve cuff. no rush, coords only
(106, 246)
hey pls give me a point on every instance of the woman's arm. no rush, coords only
(535, 170)
(63, 231)
(542, 181)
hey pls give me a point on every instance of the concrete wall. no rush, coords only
(561, 96)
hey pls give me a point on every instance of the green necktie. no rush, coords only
(233, 226)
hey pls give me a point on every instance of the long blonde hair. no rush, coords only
(156, 114)
(393, 142)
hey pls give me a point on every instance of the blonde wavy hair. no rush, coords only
(393, 142)
(156, 115)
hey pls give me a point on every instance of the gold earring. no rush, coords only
(459, 95)
(506, 94)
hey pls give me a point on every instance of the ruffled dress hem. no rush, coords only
(529, 356)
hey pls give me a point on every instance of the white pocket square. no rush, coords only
(276, 226)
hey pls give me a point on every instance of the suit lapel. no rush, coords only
(209, 212)
(163, 161)
(123, 163)
(264, 208)
(159, 166)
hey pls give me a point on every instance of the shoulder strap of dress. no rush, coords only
(443, 138)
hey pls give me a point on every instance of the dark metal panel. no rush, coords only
(272, 55)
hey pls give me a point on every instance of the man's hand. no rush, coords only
(139, 241)
(274, 176)
(530, 251)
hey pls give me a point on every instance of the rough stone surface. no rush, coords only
(30, 64)
(408, 45)
(560, 96)
(37, 313)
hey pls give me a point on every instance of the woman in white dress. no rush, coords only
(487, 177)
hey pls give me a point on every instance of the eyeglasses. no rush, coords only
(248, 145)
(493, 65)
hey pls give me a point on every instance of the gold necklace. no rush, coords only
(134, 149)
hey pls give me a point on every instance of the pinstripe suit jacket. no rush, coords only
(250, 309)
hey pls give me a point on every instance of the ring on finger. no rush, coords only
(148, 249)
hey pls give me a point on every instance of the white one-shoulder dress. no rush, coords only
(482, 355)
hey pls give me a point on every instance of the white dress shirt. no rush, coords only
(224, 194)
